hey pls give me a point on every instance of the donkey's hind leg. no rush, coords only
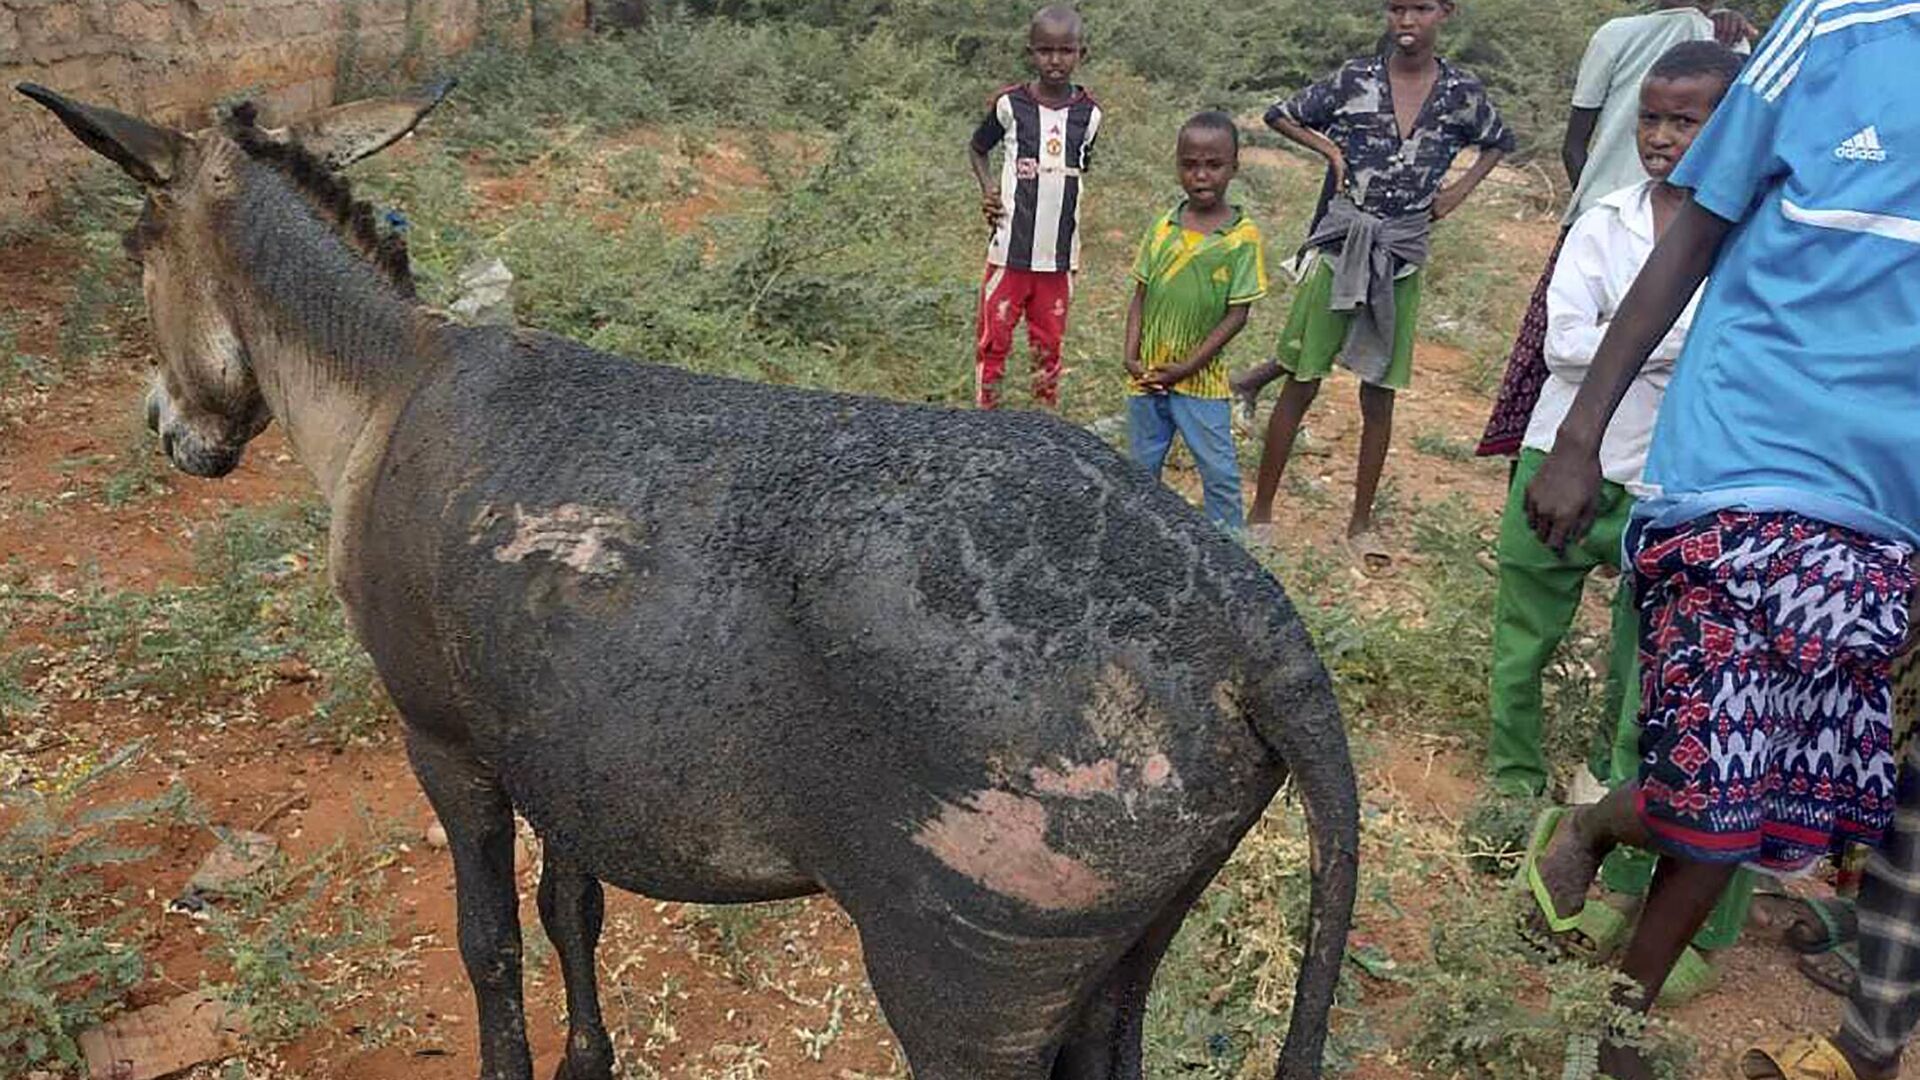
(572, 907)
(1105, 1042)
(972, 1004)
(479, 823)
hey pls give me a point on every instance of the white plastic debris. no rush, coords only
(486, 294)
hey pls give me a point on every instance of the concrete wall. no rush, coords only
(173, 60)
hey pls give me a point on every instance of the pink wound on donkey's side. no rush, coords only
(999, 840)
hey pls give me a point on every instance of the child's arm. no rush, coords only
(1303, 117)
(1315, 142)
(1134, 310)
(1560, 502)
(1450, 197)
(1573, 152)
(985, 138)
(1495, 141)
(1228, 328)
(1577, 315)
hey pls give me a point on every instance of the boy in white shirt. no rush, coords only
(1540, 589)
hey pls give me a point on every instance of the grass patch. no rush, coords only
(261, 600)
(290, 935)
(1438, 444)
(66, 958)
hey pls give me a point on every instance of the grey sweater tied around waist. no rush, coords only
(1367, 253)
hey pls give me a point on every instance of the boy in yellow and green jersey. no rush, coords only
(1198, 272)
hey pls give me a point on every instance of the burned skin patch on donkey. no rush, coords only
(998, 840)
(582, 538)
(1132, 730)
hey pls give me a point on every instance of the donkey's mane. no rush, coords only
(329, 192)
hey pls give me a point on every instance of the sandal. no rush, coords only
(1813, 925)
(1371, 552)
(1544, 828)
(1603, 929)
(1836, 971)
(1692, 978)
(1809, 1057)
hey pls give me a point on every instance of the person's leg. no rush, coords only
(1149, 431)
(1684, 891)
(1283, 427)
(1620, 707)
(1885, 1006)
(1537, 599)
(1207, 426)
(1047, 307)
(1376, 435)
(1002, 299)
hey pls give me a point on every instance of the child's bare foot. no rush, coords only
(1567, 867)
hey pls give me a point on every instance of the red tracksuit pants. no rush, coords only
(1042, 300)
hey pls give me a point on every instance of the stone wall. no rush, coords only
(173, 60)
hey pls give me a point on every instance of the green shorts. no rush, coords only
(1315, 334)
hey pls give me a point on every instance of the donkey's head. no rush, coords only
(205, 402)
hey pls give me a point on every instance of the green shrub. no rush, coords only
(65, 955)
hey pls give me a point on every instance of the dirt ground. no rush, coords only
(773, 994)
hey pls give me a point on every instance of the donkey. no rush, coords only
(995, 691)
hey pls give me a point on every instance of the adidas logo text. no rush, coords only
(1862, 147)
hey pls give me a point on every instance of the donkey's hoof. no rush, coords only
(589, 1057)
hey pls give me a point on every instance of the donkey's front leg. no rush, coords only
(572, 907)
(479, 823)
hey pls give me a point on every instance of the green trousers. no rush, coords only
(1539, 597)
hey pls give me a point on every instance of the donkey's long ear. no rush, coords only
(148, 153)
(348, 133)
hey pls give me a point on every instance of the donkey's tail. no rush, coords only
(1293, 711)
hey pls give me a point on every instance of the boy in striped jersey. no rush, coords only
(1045, 129)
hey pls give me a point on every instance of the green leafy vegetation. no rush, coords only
(260, 602)
(65, 957)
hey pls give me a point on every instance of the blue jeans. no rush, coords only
(1206, 425)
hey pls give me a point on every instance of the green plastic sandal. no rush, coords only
(1544, 828)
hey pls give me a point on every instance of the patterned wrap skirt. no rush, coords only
(1766, 645)
(1526, 372)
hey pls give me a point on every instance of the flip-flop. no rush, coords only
(1809, 1057)
(1821, 925)
(1603, 929)
(1544, 828)
(1692, 978)
(1836, 971)
(1371, 552)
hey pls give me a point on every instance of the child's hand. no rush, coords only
(1341, 177)
(1447, 200)
(1563, 498)
(1162, 380)
(991, 207)
(1731, 28)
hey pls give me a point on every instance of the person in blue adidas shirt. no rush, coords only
(1774, 554)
